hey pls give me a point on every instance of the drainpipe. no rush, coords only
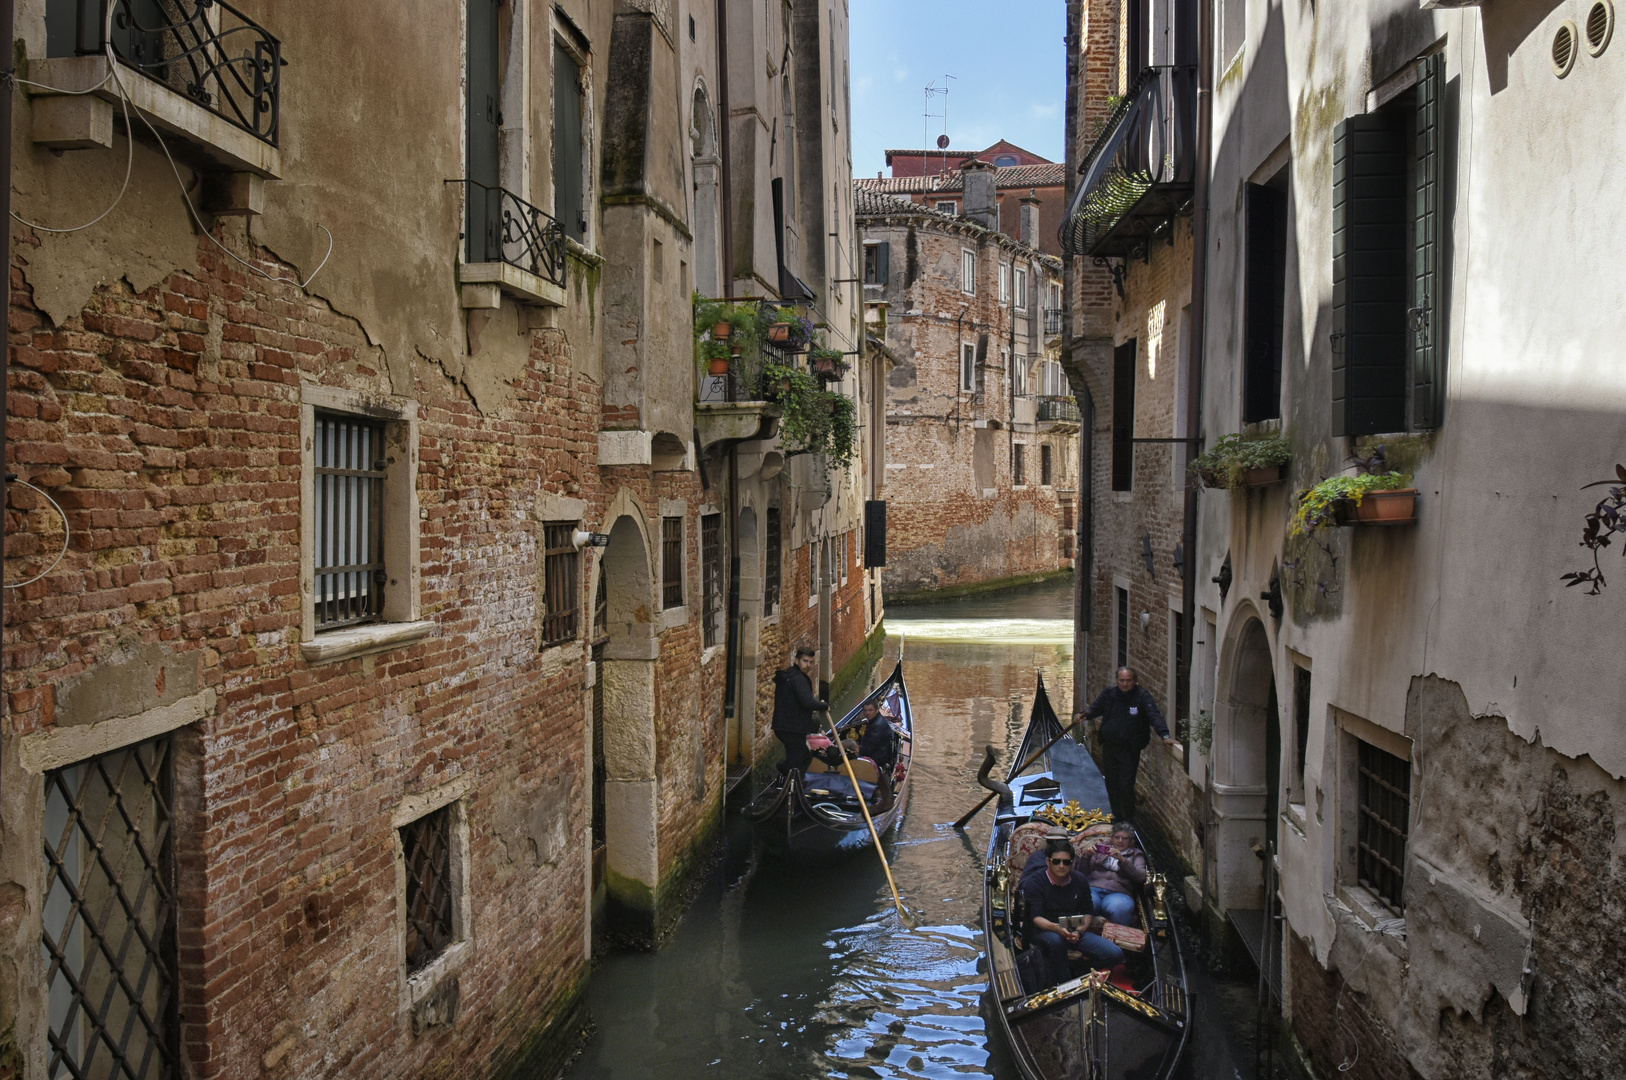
(1084, 545)
(7, 12)
(724, 144)
(726, 191)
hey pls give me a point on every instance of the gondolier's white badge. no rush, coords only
(1134, 710)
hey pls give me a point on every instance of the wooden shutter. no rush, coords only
(874, 533)
(883, 263)
(484, 240)
(1265, 296)
(1123, 415)
(567, 144)
(1427, 315)
(1369, 287)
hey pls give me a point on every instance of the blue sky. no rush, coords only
(1006, 57)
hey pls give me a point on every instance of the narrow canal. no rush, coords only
(784, 970)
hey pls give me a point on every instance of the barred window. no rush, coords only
(1044, 464)
(109, 920)
(426, 849)
(1383, 807)
(671, 562)
(711, 581)
(561, 573)
(1122, 628)
(773, 566)
(1018, 464)
(349, 495)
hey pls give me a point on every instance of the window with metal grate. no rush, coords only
(772, 563)
(1122, 627)
(426, 849)
(1018, 465)
(1044, 465)
(1383, 808)
(109, 937)
(671, 562)
(561, 573)
(349, 495)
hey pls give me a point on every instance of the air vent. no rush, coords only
(1564, 48)
(1600, 26)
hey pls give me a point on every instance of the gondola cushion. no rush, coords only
(835, 784)
(1024, 842)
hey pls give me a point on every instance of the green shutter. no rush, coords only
(1427, 314)
(883, 263)
(567, 145)
(1369, 286)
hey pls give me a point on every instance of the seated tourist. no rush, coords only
(1058, 891)
(1117, 870)
(880, 741)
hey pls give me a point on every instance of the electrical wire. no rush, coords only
(129, 143)
(66, 533)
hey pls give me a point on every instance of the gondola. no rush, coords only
(818, 811)
(1129, 1023)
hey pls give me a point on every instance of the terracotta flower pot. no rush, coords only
(1270, 474)
(717, 366)
(722, 331)
(779, 333)
(1388, 507)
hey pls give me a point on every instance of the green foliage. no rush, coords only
(811, 420)
(1317, 504)
(1199, 731)
(1225, 463)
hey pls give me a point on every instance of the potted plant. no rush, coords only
(1382, 498)
(1235, 461)
(717, 354)
(793, 334)
(827, 364)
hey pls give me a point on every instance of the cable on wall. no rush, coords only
(66, 532)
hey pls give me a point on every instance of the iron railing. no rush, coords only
(109, 935)
(1139, 173)
(502, 227)
(1052, 320)
(188, 46)
(1058, 408)
(349, 496)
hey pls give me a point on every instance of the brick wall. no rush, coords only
(1334, 1025)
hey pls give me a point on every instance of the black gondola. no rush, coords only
(818, 810)
(1127, 1024)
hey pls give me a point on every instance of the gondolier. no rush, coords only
(1128, 716)
(794, 708)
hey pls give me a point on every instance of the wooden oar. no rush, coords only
(863, 805)
(1037, 754)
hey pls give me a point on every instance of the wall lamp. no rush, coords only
(582, 538)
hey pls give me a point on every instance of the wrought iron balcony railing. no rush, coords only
(205, 50)
(1057, 408)
(1052, 320)
(502, 227)
(1139, 173)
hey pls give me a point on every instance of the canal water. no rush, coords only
(788, 970)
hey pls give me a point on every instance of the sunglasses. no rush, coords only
(1061, 862)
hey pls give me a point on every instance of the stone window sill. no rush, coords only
(676, 616)
(361, 640)
(421, 984)
(710, 654)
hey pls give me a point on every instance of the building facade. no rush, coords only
(402, 632)
(1039, 180)
(981, 432)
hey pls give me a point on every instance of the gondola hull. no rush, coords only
(1128, 1024)
(816, 812)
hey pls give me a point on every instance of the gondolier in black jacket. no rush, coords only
(794, 705)
(1128, 715)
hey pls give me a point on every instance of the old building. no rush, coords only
(940, 189)
(403, 617)
(1407, 799)
(981, 433)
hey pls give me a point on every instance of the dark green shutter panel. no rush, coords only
(1427, 314)
(874, 533)
(883, 260)
(1124, 370)
(1370, 289)
(1264, 303)
(485, 208)
(567, 145)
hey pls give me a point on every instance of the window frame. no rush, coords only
(968, 367)
(1125, 372)
(1021, 289)
(946, 206)
(1018, 465)
(417, 984)
(1354, 732)
(968, 271)
(399, 621)
(1046, 465)
(673, 543)
(570, 557)
(1004, 282)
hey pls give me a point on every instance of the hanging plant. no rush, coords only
(1235, 461)
(827, 364)
(792, 334)
(1321, 505)
(811, 420)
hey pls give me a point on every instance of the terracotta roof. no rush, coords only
(1001, 145)
(1052, 174)
(872, 203)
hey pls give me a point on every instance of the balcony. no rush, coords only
(1052, 321)
(1139, 173)
(1057, 409)
(510, 246)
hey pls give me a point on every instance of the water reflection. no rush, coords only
(787, 969)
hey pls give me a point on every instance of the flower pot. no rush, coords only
(1211, 479)
(717, 366)
(779, 333)
(722, 331)
(776, 391)
(1397, 507)
(829, 368)
(1270, 474)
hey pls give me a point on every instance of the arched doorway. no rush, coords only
(1247, 773)
(624, 780)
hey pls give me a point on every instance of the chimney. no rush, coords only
(1030, 218)
(980, 205)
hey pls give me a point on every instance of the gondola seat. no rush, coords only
(832, 780)
(1025, 841)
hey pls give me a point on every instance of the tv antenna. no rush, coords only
(933, 90)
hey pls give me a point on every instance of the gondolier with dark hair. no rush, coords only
(794, 706)
(1128, 715)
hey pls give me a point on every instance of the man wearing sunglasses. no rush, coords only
(1062, 890)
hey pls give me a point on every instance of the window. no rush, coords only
(1066, 529)
(1383, 809)
(1004, 283)
(1121, 626)
(1264, 305)
(569, 206)
(349, 504)
(483, 126)
(426, 851)
(1388, 300)
(711, 578)
(1235, 27)
(1018, 465)
(968, 272)
(108, 938)
(877, 260)
(968, 367)
(946, 205)
(773, 563)
(812, 571)
(1044, 465)
(1003, 161)
(1019, 376)
(841, 558)
(1123, 416)
(671, 562)
(1301, 733)
(561, 575)
(1021, 289)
